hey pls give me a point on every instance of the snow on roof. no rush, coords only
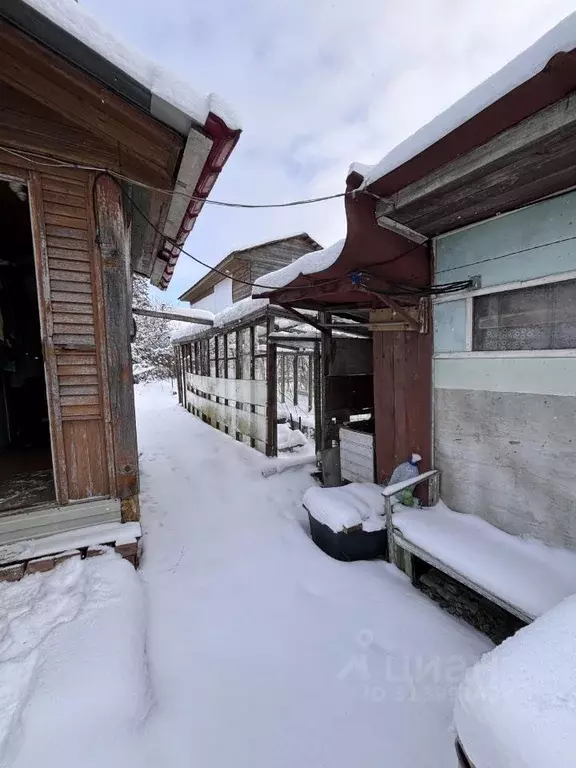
(182, 330)
(529, 63)
(81, 24)
(308, 264)
(238, 311)
(517, 706)
(233, 313)
(192, 313)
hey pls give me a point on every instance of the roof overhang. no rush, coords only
(205, 152)
(371, 254)
(203, 159)
(517, 150)
(520, 149)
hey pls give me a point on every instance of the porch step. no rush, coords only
(117, 534)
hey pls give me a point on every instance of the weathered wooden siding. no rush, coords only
(357, 456)
(504, 422)
(240, 271)
(402, 398)
(270, 257)
(250, 264)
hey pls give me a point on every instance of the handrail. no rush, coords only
(432, 476)
(391, 490)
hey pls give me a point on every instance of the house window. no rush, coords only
(540, 317)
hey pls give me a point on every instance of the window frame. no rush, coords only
(469, 297)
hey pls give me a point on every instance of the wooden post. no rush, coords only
(272, 393)
(310, 382)
(390, 529)
(317, 398)
(282, 377)
(295, 376)
(113, 242)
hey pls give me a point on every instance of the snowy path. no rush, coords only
(264, 652)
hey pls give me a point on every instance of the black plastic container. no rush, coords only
(349, 545)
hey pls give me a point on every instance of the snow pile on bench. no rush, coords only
(73, 677)
(517, 705)
(347, 506)
(525, 573)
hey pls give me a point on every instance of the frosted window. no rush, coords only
(543, 317)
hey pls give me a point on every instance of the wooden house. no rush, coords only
(218, 289)
(90, 152)
(461, 260)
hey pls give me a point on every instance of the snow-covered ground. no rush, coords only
(260, 650)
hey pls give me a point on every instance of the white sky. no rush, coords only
(318, 84)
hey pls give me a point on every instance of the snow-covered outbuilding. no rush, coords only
(94, 140)
(459, 255)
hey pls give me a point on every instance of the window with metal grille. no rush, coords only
(540, 317)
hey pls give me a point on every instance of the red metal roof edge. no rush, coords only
(554, 82)
(224, 140)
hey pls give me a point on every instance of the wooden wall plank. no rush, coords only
(402, 398)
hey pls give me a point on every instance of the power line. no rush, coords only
(31, 157)
(186, 253)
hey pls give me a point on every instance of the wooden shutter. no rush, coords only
(74, 341)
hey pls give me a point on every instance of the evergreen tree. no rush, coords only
(152, 354)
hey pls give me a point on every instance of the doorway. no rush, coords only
(26, 469)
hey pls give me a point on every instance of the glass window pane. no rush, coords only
(542, 317)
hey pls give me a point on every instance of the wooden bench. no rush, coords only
(524, 578)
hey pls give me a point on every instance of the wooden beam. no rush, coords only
(272, 394)
(303, 318)
(540, 127)
(400, 229)
(171, 315)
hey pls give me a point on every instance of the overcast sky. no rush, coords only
(318, 84)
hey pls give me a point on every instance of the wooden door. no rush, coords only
(71, 304)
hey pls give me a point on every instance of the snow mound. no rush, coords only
(72, 663)
(524, 572)
(290, 438)
(77, 21)
(308, 264)
(517, 706)
(347, 506)
(529, 63)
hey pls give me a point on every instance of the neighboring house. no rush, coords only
(215, 292)
(477, 209)
(89, 133)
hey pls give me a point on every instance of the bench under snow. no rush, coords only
(523, 576)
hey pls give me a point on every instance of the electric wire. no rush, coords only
(32, 157)
(115, 176)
